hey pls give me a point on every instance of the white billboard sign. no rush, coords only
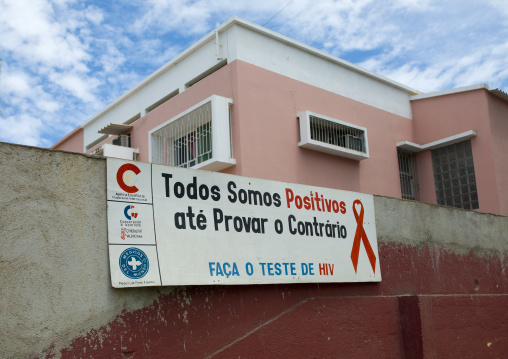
(176, 226)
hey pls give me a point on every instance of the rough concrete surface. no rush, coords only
(54, 255)
(420, 224)
(56, 297)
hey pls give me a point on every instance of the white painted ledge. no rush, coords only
(414, 147)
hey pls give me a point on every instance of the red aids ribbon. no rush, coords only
(361, 236)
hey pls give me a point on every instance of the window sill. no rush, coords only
(215, 165)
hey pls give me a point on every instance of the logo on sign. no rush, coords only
(129, 214)
(126, 177)
(134, 263)
(130, 228)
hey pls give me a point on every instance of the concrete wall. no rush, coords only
(444, 291)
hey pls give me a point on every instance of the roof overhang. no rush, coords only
(496, 92)
(499, 93)
(115, 129)
(449, 92)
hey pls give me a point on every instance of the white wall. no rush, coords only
(138, 99)
(285, 59)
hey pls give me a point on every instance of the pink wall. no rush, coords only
(73, 142)
(439, 117)
(426, 177)
(498, 110)
(267, 133)
(218, 83)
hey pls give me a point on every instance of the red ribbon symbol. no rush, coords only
(361, 236)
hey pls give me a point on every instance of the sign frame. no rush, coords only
(177, 226)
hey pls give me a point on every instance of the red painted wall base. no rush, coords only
(431, 303)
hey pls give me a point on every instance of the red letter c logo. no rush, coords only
(119, 177)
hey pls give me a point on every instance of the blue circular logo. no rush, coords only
(134, 263)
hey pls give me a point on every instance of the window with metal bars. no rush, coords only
(185, 142)
(336, 134)
(454, 176)
(199, 137)
(329, 135)
(408, 176)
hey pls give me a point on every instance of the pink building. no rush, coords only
(248, 101)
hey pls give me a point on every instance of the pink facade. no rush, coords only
(265, 134)
(73, 142)
(442, 116)
(498, 110)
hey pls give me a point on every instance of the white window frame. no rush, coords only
(306, 140)
(221, 134)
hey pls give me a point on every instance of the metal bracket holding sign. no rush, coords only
(177, 226)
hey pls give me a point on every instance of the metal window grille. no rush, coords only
(408, 176)
(337, 134)
(454, 176)
(185, 142)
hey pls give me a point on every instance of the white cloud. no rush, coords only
(23, 92)
(48, 106)
(197, 17)
(112, 58)
(79, 86)
(21, 129)
(483, 65)
(46, 50)
(15, 82)
(428, 45)
(94, 15)
(500, 5)
(65, 59)
(39, 39)
(418, 5)
(191, 17)
(341, 25)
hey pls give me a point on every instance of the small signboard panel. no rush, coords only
(177, 226)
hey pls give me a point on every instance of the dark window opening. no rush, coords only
(408, 176)
(123, 140)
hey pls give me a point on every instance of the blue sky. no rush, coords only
(64, 60)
